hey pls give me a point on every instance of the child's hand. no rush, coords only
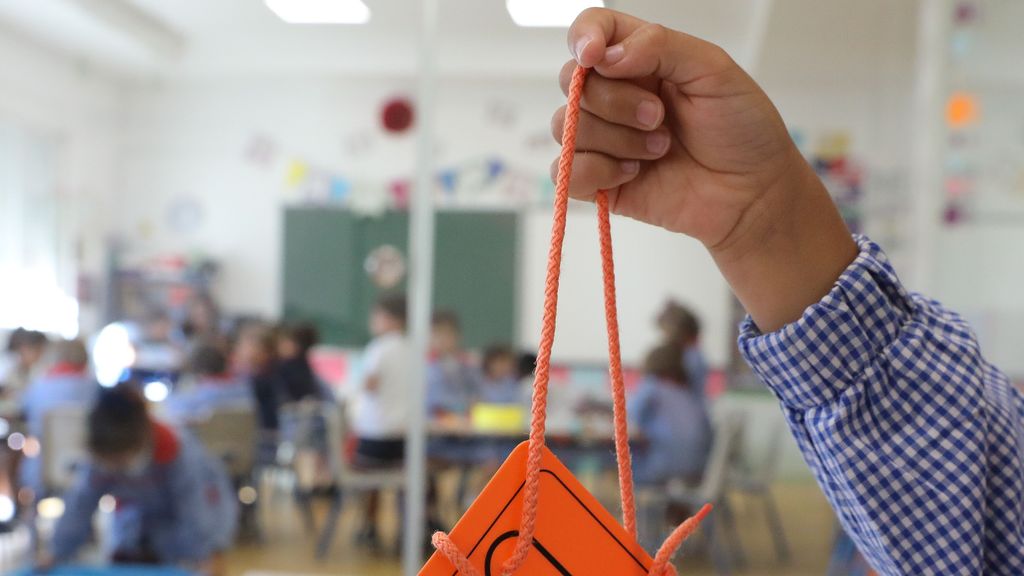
(683, 138)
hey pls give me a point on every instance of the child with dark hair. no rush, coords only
(209, 387)
(672, 419)
(25, 350)
(452, 381)
(680, 327)
(501, 376)
(294, 343)
(175, 505)
(255, 362)
(67, 384)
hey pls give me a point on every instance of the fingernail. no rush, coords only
(579, 47)
(647, 114)
(657, 143)
(614, 54)
(630, 166)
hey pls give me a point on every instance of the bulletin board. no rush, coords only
(330, 255)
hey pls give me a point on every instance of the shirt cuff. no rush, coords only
(811, 361)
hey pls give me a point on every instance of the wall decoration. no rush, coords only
(400, 192)
(296, 173)
(385, 265)
(358, 145)
(961, 110)
(502, 114)
(397, 115)
(261, 150)
(340, 189)
(184, 215)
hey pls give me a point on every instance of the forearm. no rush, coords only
(787, 250)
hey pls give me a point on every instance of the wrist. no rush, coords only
(787, 250)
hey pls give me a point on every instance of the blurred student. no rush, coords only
(294, 343)
(68, 384)
(680, 327)
(174, 506)
(501, 383)
(211, 387)
(452, 380)
(202, 323)
(255, 362)
(673, 420)
(22, 362)
(380, 406)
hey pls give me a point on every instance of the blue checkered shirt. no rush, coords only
(915, 439)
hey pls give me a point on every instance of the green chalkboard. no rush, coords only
(325, 281)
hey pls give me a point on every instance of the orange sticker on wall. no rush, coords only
(961, 110)
(575, 534)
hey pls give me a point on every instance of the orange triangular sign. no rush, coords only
(575, 534)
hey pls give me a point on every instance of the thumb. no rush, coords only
(675, 57)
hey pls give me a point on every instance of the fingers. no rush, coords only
(592, 171)
(597, 28)
(622, 46)
(596, 135)
(617, 101)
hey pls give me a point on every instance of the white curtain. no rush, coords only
(36, 275)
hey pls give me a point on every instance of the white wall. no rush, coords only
(51, 93)
(189, 139)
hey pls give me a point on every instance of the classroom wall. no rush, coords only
(188, 141)
(52, 93)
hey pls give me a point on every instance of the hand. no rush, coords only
(683, 138)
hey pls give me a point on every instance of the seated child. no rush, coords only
(254, 362)
(681, 328)
(68, 384)
(672, 420)
(501, 383)
(294, 342)
(175, 505)
(452, 381)
(916, 439)
(21, 364)
(210, 387)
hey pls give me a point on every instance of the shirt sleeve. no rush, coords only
(915, 439)
(75, 525)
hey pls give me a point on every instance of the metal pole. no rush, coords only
(927, 143)
(421, 246)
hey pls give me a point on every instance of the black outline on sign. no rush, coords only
(536, 544)
(580, 502)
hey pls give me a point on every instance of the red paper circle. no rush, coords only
(397, 115)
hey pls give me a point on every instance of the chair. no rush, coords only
(230, 434)
(756, 481)
(712, 490)
(65, 451)
(340, 478)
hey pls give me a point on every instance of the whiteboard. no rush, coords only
(651, 265)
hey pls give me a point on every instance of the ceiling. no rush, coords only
(200, 38)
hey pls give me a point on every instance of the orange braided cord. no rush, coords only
(531, 490)
(675, 540)
(445, 546)
(622, 455)
(540, 383)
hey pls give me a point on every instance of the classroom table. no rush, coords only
(108, 571)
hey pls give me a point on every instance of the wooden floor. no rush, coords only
(287, 550)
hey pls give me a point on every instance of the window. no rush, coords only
(36, 276)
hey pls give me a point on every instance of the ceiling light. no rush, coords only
(548, 13)
(320, 11)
